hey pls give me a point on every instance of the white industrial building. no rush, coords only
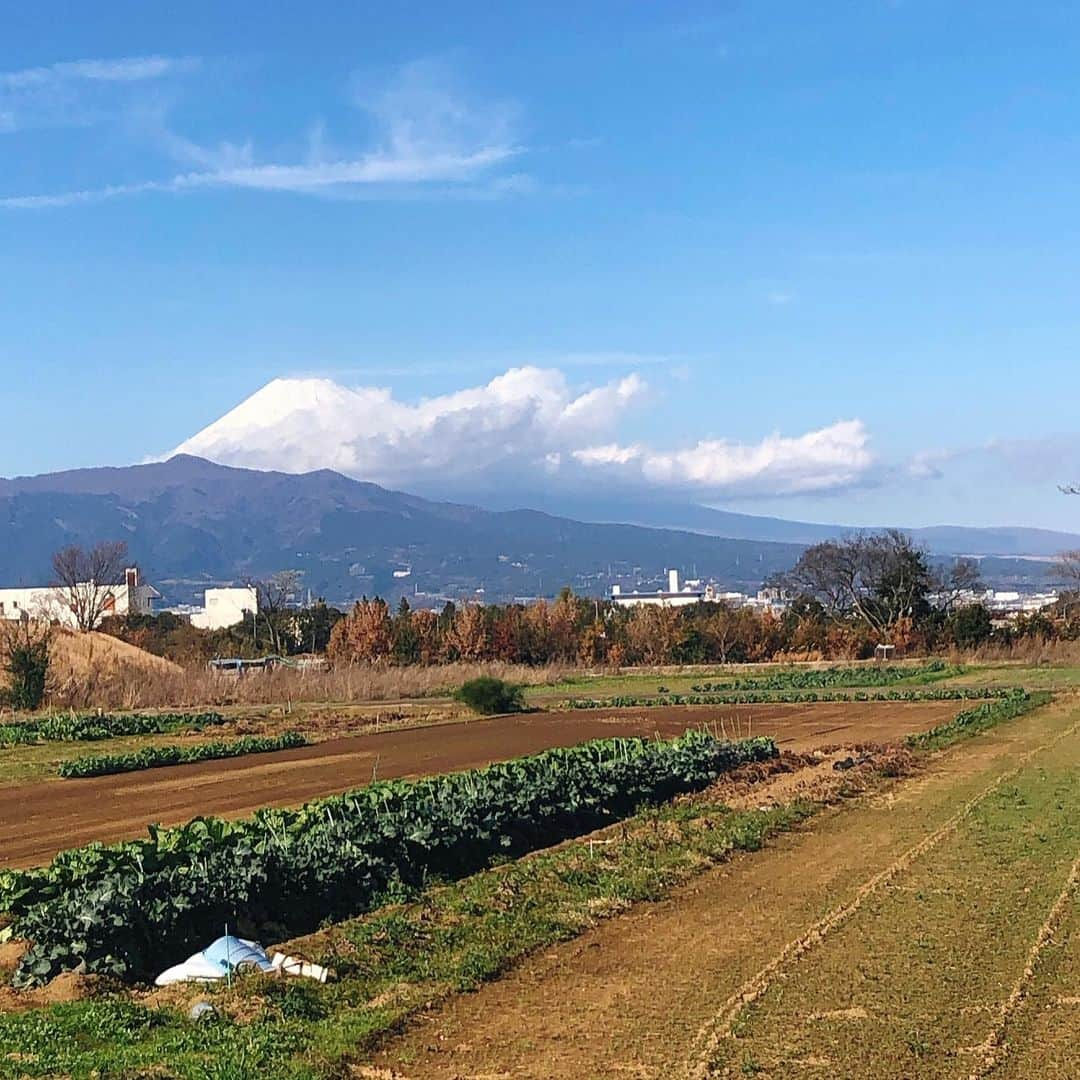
(673, 596)
(693, 592)
(52, 602)
(225, 607)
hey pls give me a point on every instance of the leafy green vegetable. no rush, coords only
(153, 757)
(757, 697)
(972, 721)
(128, 909)
(824, 678)
(92, 727)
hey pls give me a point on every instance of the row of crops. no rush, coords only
(944, 693)
(970, 721)
(153, 757)
(825, 678)
(93, 727)
(129, 909)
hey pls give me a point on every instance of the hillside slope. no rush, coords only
(189, 522)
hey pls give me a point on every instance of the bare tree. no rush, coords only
(879, 578)
(276, 594)
(89, 577)
(961, 579)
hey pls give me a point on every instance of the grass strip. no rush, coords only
(982, 717)
(156, 757)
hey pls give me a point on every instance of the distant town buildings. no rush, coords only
(53, 602)
(1006, 605)
(696, 592)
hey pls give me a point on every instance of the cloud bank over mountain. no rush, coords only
(526, 426)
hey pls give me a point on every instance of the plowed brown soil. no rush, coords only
(37, 820)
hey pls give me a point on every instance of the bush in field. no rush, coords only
(24, 657)
(488, 696)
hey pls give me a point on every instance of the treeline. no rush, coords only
(850, 595)
(285, 632)
(574, 629)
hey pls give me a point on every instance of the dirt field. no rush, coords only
(926, 932)
(37, 820)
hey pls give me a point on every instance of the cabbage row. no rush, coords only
(824, 678)
(153, 757)
(131, 909)
(946, 693)
(92, 727)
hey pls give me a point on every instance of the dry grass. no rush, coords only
(1033, 651)
(119, 683)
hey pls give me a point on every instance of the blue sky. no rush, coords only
(862, 223)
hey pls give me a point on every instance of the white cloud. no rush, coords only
(525, 426)
(428, 136)
(80, 92)
(122, 70)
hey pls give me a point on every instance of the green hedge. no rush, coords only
(154, 757)
(131, 909)
(972, 721)
(91, 727)
(947, 693)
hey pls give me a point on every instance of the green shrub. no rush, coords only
(487, 695)
(26, 664)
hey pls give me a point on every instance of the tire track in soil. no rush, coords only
(992, 1050)
(719, 1028)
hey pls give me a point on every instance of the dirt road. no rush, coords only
(37, 820)
(887, 940)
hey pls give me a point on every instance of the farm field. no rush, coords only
(899, 899)
(925, 932)
(38, 819)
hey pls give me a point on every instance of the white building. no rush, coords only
(692, 592)
(673, 596)
(52, 601)
(225, 607)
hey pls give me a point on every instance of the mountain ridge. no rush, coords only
(191, 522)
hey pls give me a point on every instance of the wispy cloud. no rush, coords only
(78, 93)
(122, 70)
(427, 135)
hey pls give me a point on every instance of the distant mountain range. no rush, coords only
(190, 523)
(1005, 541)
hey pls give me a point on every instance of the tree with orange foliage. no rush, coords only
(508, 635)
(563, 626)
(593, 649)
(365, 635)
(652, 634)
(468, 637)
(537, 627)
(425, 625)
